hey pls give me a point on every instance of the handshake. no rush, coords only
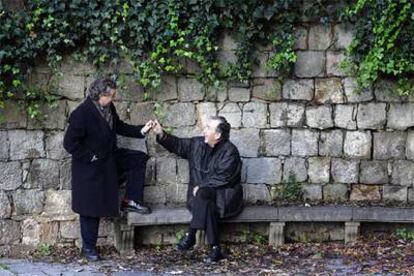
(153, 125)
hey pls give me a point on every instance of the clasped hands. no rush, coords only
(153, 125)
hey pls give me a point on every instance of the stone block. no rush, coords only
(247, 141)
(57, 203)
(295, 166)
(353, 94)
(239, 94)
(344, 171)
(190, 90)
(166, 170)
(140, 113)
(155, 195)
(301, 38)
(333, 62)
(259, 65)
(65, 175)
(319, 116)
(26, 144)
(132, 143)
(217, 93)
(335, 192)
(150, 171)
(389, 145)
(373, 172)
(70, 229)
(370, 193)
(263, 170)
(10, 232)
(343, 36)
(167, 90)
(13, 115)
(53, 116)
(54, 145)
(204, 112)
(276, 142)
(28, 202)
(11, 175)
(395, 193)
(183, 171)
(286, 114)
(400, 116)
(345, 116)
(44, 174)
(319, 169)
(298, 90)
(386, 91)
(320, 37)
(254, 194)
(331, 143)
(180, 114)
(371, 115)
(310, 64)
(227, 42)
(267, 89)
(71, 87)
(176, 193)
(5, 207)
(232, 113)
(329, 91)
(4, 145)
(226, 57)
(304, 142)
(409, 148)
(312, 192)
(357, 144)
(254, 115)
(403, 173)
(131, 91)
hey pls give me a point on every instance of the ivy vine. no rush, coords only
(158, 37)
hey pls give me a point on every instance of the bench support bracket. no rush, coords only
(277, 233)
(351, 231)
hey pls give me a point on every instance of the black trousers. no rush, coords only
(205, 214)
(131, 166)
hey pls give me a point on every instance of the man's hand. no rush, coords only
(147, 127)
(195, 189)
(157, 128)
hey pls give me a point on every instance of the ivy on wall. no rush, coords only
(158, 37)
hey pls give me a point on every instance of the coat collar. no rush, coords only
(92, 109)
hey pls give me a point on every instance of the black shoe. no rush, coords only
(91, 254)
(215, 255)
(186, 243)
(133, 206)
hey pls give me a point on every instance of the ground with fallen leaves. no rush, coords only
(383, 254)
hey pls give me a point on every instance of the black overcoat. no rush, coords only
(218, 168)
(92, 143)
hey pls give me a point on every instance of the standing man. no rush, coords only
(214, 191)
(98, 165)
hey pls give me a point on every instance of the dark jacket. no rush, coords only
(218, 167)
(91, 142)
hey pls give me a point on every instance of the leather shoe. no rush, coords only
(215, 255)
(91, 254)
(134, 206)
(186, 243)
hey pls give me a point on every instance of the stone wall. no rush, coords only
(340, 145)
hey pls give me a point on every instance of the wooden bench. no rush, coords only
(277, 217)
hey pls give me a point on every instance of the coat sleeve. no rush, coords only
(179, 146)
(74, 140)
(125, 129)
(225, 171)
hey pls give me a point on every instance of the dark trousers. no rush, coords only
(89, 231)
(205, 214)
(131, 165)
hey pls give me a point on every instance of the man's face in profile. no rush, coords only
(211, 136)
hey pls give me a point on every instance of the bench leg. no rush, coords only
(200, 238)
(124, 237)
(351, 231)
(277, 233)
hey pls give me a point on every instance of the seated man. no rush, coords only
(214, 191)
